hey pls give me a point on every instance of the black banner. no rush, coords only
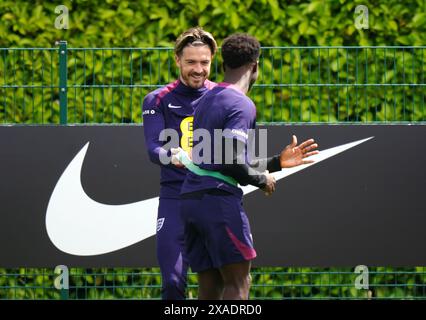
(86, 196)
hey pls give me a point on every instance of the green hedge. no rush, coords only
(278, 95)
(144, 23)
(267, 283)
(318, 84)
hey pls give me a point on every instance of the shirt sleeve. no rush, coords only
(272, 164)
(153, 124)
(239, 169)
(239, 120)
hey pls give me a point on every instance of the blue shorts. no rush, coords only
(217, 231)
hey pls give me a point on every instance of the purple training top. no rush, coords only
(223, 107)
(171, 107)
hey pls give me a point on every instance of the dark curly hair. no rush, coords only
(240, 49)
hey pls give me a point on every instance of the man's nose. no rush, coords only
(198, 68)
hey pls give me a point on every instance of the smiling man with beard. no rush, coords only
(172, 107)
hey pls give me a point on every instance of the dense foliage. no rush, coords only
(268, 283)
(296, 84)
(145, 23)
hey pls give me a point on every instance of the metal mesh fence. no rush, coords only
(296, 85)
(268, 283)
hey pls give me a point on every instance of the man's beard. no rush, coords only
(189, 81)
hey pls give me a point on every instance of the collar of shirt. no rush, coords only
(230, 85)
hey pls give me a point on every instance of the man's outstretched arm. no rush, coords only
(294, 155)
(291, 156)
(238, 168)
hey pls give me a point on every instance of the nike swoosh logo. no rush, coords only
(174, 107)
(79, 225)
(324, 154)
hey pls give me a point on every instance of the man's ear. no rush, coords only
(177, 59)
(255, 66)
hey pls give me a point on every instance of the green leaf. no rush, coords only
(106, 14)
(8, 16)
(235, 20)
(419, 20)
(314, 6)
(392, 25)
(405, 40)
(303, 27)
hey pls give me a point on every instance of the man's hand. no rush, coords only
(294, 155)
(175, 161)
(270, 183)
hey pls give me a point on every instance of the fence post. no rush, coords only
(63, 81)
(64, 294)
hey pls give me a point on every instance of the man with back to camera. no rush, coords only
(217, 232)
(172, 107)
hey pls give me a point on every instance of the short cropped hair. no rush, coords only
(195, 37)
(240, 49)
